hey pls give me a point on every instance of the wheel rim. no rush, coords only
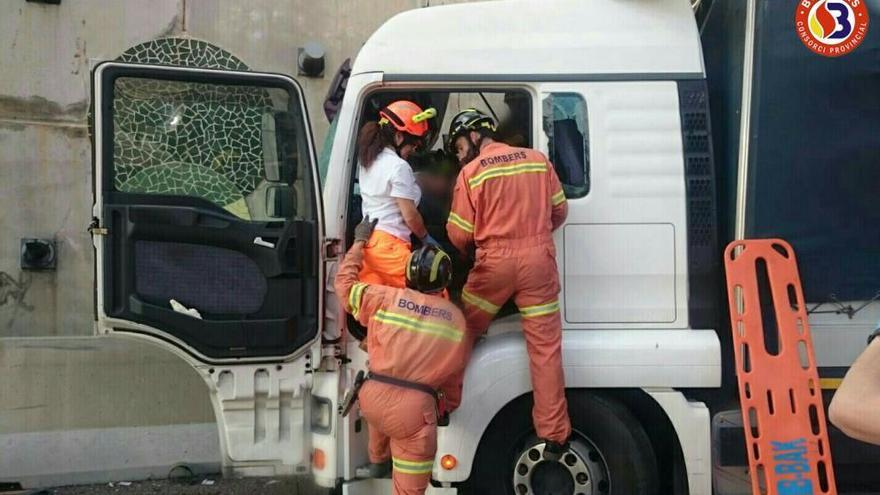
(580, 471)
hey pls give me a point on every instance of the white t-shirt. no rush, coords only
(389, 177)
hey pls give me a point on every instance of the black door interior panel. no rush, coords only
(255, 299)
(207, 278)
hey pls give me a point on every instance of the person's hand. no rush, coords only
(364, 230)
(430, 241)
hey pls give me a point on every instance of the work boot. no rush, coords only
(553, 451)
(374, 470)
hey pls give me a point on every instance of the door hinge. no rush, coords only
(96, 229)
(332, 248)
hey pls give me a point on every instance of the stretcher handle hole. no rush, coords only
(802, 354)
(753, 423)
(822, 472)
(736, 250)
(761, 474)
(793, 299)
(779, 248)
(792, 401)
(746, 358)
(814, 419)
(748, 390)
(821, 447)
(741, 328)
(812, 386)
(770, 407)
(738, 301)
(772, 339)
(756, 451)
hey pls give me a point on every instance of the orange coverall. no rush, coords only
(385, 258)
(411, 336)
(507, 202)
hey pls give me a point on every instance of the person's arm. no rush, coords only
(347, 285)
(557, 198)
(460, 226)
(412, 217)
(406, 192)
(356, 297)
(855, 408)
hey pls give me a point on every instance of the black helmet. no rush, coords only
(470, 119)
(428, 269)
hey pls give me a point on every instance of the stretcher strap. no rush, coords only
(783, 414)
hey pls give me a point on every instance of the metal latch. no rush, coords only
(96, 229)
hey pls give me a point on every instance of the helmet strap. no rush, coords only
(407, 139)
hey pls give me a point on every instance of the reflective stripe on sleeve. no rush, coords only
(558, 198)
(355, 296)
(461, 223)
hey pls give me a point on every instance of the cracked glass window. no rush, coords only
(565, 125)
(243, 148)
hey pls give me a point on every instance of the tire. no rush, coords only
(627, 461)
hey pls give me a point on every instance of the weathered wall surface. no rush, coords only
(59, 385)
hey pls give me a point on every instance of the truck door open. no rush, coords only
(208, 228)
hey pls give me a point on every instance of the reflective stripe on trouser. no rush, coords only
(530, 276)
(385, 259)
(407, 420)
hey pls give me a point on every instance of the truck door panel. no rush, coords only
(207, 231)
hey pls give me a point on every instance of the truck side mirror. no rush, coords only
(280, 201)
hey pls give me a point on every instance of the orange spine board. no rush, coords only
(783, 414)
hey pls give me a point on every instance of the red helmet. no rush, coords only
(407, 117)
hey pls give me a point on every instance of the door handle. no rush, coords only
(260, 242)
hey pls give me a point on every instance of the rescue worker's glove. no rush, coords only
(364, 230)
(430, 241)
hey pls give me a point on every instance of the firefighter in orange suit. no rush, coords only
(417, 344)
(507, 202)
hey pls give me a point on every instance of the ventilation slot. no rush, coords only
(702, 218)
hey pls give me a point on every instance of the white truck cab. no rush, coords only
(240, 285)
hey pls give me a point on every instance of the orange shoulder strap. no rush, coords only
(783, 415)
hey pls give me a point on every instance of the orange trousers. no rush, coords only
(526, 270)
(403, 426)
(385, 257)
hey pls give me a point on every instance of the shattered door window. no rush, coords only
(232, 145)
(565, 124)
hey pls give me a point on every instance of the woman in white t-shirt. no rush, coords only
(389, 191)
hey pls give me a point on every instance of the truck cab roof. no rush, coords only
(547, 40)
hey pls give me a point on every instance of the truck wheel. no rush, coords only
(610, 453)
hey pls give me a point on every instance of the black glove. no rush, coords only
(364, 230)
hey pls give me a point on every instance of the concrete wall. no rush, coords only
(62, 390)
